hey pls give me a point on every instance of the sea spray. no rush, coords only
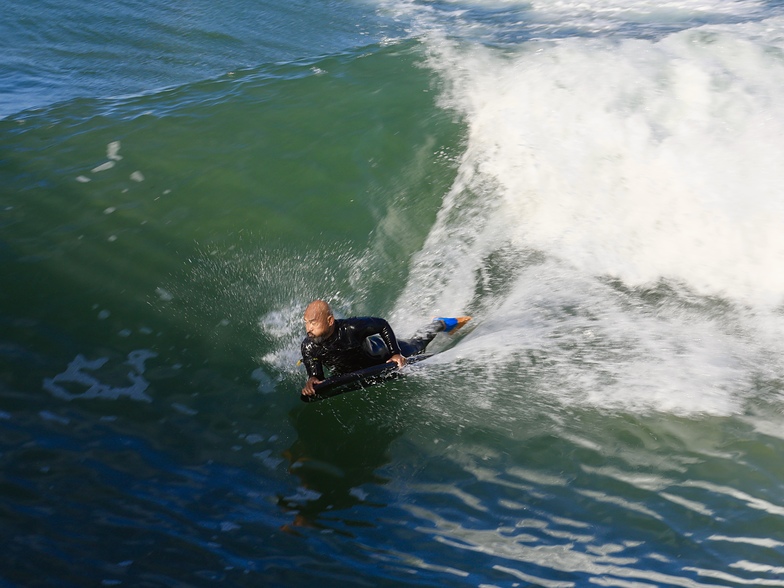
(616, 210)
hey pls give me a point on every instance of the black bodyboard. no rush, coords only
(359, 379)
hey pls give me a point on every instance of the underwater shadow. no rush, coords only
(341, 445)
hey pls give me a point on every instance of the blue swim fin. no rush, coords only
(452, 324)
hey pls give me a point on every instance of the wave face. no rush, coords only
(97, 49)
(597, 184)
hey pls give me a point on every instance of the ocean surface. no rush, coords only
(598, 183)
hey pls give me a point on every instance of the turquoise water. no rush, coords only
(596, 183)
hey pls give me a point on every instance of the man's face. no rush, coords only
(318, 324)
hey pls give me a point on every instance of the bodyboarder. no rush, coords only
(347, 345)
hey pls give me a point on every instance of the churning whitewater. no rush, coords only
(596, 183)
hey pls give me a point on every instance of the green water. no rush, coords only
(234, 194)
(163, 227)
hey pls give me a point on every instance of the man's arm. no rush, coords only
(314, 368)
(379, 326)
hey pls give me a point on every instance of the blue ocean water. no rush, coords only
(596, 183)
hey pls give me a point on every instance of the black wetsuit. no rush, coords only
(347, 350)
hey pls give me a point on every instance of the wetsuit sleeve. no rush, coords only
(313, 364)
(388, 335)
(378, 326)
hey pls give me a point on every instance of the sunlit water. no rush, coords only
(597, 184)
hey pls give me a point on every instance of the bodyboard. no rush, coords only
(358, 380)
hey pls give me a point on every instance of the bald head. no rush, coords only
(318, 307)
(319, 320)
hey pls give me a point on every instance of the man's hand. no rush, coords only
(398, 359)
(308, 390)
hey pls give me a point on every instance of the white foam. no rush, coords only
(103, 167)
(640, 161)
(81, 374)
(584, 13)
(503, 21)
(561, 336)
(113, 151)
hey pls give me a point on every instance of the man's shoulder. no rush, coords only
(351, 322)
(360, 320)
(359, 325)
